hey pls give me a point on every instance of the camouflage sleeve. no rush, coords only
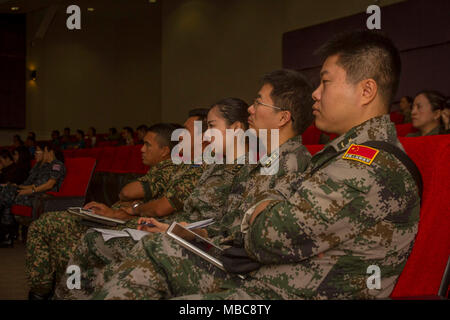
(57, 171)
(335, 205)
(155, 181)
(181, 185)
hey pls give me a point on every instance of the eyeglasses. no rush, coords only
(256, 103)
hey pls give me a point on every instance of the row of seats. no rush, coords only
(425, 267)
(124, 159)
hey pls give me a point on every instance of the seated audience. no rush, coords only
(9, 170)
(351, 209)
(127, 137)
(91, 136)
(426, 113)
(56, 139)
(46, 175)
(17, 141)
(79, 140)
(53, 236)
(113, 135)
(30, 143)
(66, 139)
(141, 132)
(405, 108)
(22, 158)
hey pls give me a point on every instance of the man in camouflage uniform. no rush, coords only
(92, 254)
(157, 267)
(50, 243)
(355, 210)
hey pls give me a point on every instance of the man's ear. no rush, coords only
(369, 90)
(285, 116)
(166, 152)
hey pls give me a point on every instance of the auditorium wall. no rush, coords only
(130, 65)
(214, 49)
(106, 74)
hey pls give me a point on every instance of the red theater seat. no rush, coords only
(311, 135)
(73, 189)
(404, 129)
(424, 269)
(397, 117)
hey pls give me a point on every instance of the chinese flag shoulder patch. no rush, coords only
(360, 153)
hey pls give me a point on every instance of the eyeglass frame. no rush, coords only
(256, 103)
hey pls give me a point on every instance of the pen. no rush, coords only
(148, 224)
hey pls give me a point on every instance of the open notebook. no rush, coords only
(137, 235)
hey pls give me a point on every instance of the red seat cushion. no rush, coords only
(311, 135)
(404, 128)
(23, 211)
(397, 117)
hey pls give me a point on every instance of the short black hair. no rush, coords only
(163, 133)
(408, 98)
(5, 154)
(367, 54)
(113, 130)
(202, 114)
(50, 146)
(291, 91)
(129, 130)
(142, 127)
(31, 135)
(94, 131)
(232, 110)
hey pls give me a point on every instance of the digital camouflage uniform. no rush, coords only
(55, 235)
(157, 267)
(39, 175)
(433, 132)
(343, 218)
(206, 201)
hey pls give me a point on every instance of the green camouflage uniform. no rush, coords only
(157, 267)
(55, 235)
(433, 132)
(39, 174)
(206, 201)
(345, 217)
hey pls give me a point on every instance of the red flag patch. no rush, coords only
(56, 167)
(361, 153)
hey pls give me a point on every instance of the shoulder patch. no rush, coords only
(56, 167)
(360, 153)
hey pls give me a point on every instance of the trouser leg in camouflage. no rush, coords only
(159, 268)
(51, 240)
(91, 256)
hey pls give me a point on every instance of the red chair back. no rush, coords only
(426, 264)
(78, 175)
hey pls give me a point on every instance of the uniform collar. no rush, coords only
(289, 146)
(378, 128)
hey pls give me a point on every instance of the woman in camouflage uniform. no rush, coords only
(426, 113)
(46, 175)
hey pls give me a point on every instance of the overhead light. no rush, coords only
(91, 9)
(152, 1)
(14, 8)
